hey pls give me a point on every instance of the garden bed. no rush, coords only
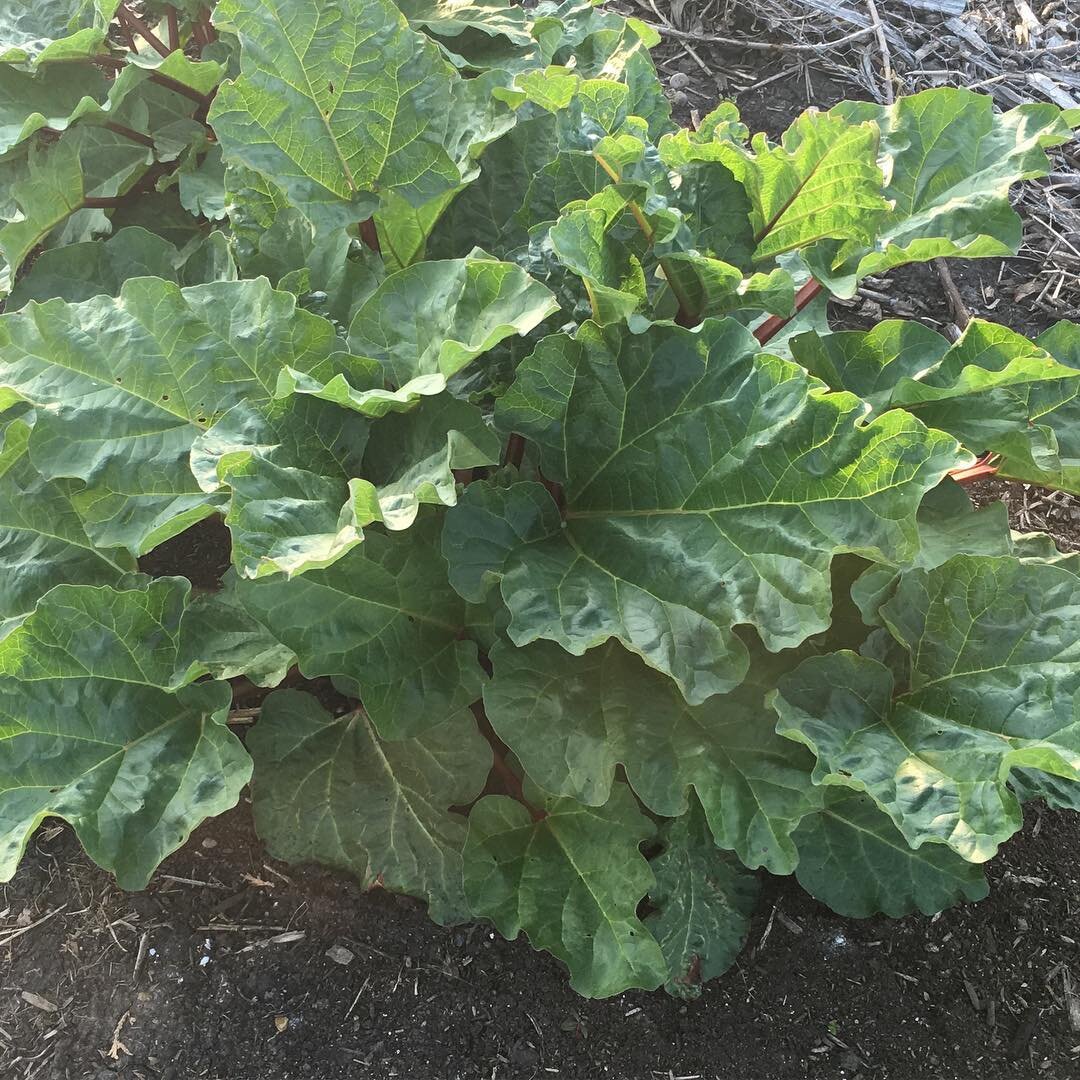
(979, 991)
(220, 968)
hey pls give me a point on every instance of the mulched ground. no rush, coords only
(220, 969)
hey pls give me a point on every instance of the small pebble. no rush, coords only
(340, 955)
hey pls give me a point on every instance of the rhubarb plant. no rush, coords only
(581, 573)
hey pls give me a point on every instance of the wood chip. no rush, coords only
(39, 1002)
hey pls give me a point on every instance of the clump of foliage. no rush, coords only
(601, 572)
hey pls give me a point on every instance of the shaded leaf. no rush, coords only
(704, 899)
(855, 860)
(76, 272)
(330, 789)
(572, 882)
(572, 720)
(385, 617)
(492, 519)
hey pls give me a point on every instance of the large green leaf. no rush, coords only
(993, 389)
(30, 102)
(704, 900)
(42, 540)
(571, 881)
(386, 617)
(705, 486)
(330, 789)
(948, 525)
(90, 733)
(76, 272)
(339, 100)
(950, 160)
(572, 720)
(853, 858)
(424, 324)
(995, 671)
(124, 386)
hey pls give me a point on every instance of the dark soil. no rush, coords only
(979, 991)
(201, 554)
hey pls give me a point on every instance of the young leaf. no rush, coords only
(424, 324)
(855, 860)
(704, 900)
(330, 789)
(950, 161)
(571, 881)
(994, 669)
(386, 617)
(705, 487)
(572, 720)
(821, 181)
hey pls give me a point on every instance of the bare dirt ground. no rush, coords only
(221, 968)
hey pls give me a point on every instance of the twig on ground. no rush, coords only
(763, 46)
(25, 929)
(883, 46)
(959, 310)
